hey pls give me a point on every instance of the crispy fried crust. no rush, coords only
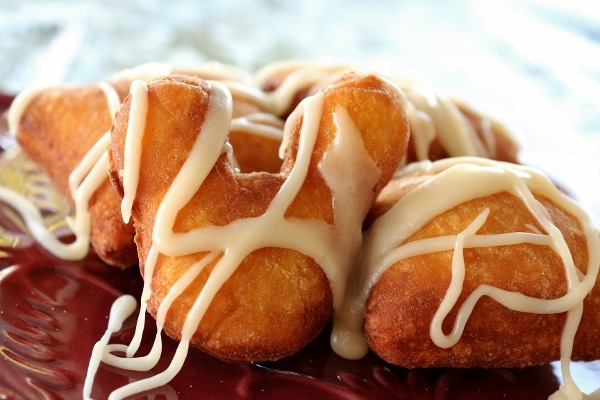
(403, 302)
(56, 131)
(374, 112)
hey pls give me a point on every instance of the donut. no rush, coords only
(441, 126)
(227, 255)
(470, 262)
(64, 130)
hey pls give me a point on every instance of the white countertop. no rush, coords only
(534, 64)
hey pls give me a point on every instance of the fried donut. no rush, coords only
(443, 127)
(293, 80)
(476, 263)
(500, 143)
(57, 127)
(226, 256)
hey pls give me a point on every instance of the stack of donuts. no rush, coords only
(261, 206)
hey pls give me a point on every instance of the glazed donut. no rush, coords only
(477, 263)
(226, 256)
(57, 127)
(441, 126)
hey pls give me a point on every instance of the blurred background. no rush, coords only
(533, 64)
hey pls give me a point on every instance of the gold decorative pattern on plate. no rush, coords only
(20, 174)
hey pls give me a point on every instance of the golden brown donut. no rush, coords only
(503, 145)
(56, 129)
(277, 282)
(443, 126)
(473, 199)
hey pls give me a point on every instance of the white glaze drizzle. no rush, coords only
(133, 143)
(121, 309)
(208, 70)
(421, 121)
(34, 221)
(435, 116)
(19, 105)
